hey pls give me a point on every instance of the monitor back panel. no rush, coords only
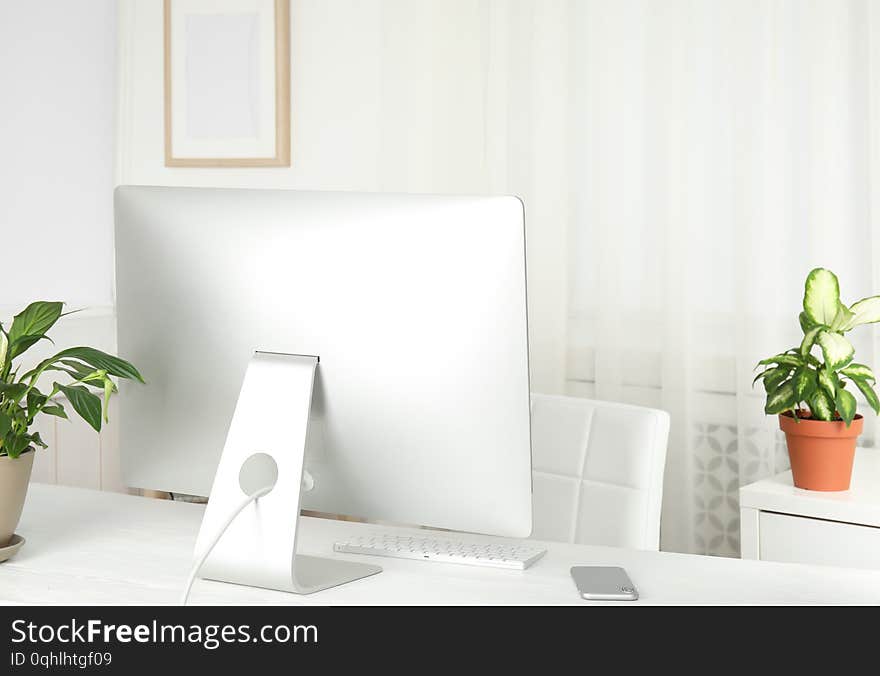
(416, 306)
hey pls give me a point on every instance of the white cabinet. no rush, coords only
(782, 523)
(832, 543)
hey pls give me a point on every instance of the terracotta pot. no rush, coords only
(821, 452)
(15, 474)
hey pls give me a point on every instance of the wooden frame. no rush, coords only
(282, 100)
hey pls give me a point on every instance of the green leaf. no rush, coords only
(809, 339)
(869, 393)
(821, 406)
(821, 296)
(31, 324)
(858, 371)
(826, 380)
(5, 424)
(865, 311)
(61, 369)
(35, 399)
(846, 405)
(836, 350)
(13, 391)
(98, 360)
(17, 446)
(787, 359)
(84, 402)
(80, 368)
(781, 399)
(35, 437)
(35, 319)
(54, 409)
(804, 384)
(81, 372)
(23, 344)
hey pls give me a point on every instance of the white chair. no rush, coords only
(597, 471)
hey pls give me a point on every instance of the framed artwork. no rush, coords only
(227, 83)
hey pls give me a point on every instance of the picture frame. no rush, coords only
(227, 83)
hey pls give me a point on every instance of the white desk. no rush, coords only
(837, 528)
(85, 547)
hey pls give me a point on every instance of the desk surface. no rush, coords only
(860, 504)
(86, 547)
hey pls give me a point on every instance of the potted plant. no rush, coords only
(88, 387)
(807, 386)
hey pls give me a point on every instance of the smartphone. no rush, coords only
(604, 583)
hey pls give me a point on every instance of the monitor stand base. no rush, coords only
(259, 547)
(314, 573)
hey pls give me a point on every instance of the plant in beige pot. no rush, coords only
(808, 386)
(87, 374)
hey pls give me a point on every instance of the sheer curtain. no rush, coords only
(697, 158)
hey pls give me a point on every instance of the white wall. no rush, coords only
(57, 137)
(57, 103)
(396, 95)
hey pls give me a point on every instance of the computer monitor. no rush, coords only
(415, 305)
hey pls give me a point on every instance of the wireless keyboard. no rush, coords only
(492, 555)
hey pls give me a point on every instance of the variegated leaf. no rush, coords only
(826, 380)
(776, 377)
(806, 322)
(865, 311)
(869, 393)
(804, 384)
(781, 399)
(842, 318)
(809, 339)
(821, 406)
(836, 350)
(787, 359)
(859, 371)
(846, 405)
(821, 296)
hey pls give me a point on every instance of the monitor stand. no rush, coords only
(265, 443)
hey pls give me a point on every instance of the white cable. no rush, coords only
(197, 566)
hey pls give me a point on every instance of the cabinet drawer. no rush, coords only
(797, 539)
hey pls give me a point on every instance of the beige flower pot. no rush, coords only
(15, 474)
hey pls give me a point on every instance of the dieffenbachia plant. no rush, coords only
(797, 376)
(83, 367)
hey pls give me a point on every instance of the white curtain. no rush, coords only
(697, 158)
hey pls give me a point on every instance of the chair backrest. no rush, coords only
(597, 471)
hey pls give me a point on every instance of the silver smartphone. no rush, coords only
(604, 583)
